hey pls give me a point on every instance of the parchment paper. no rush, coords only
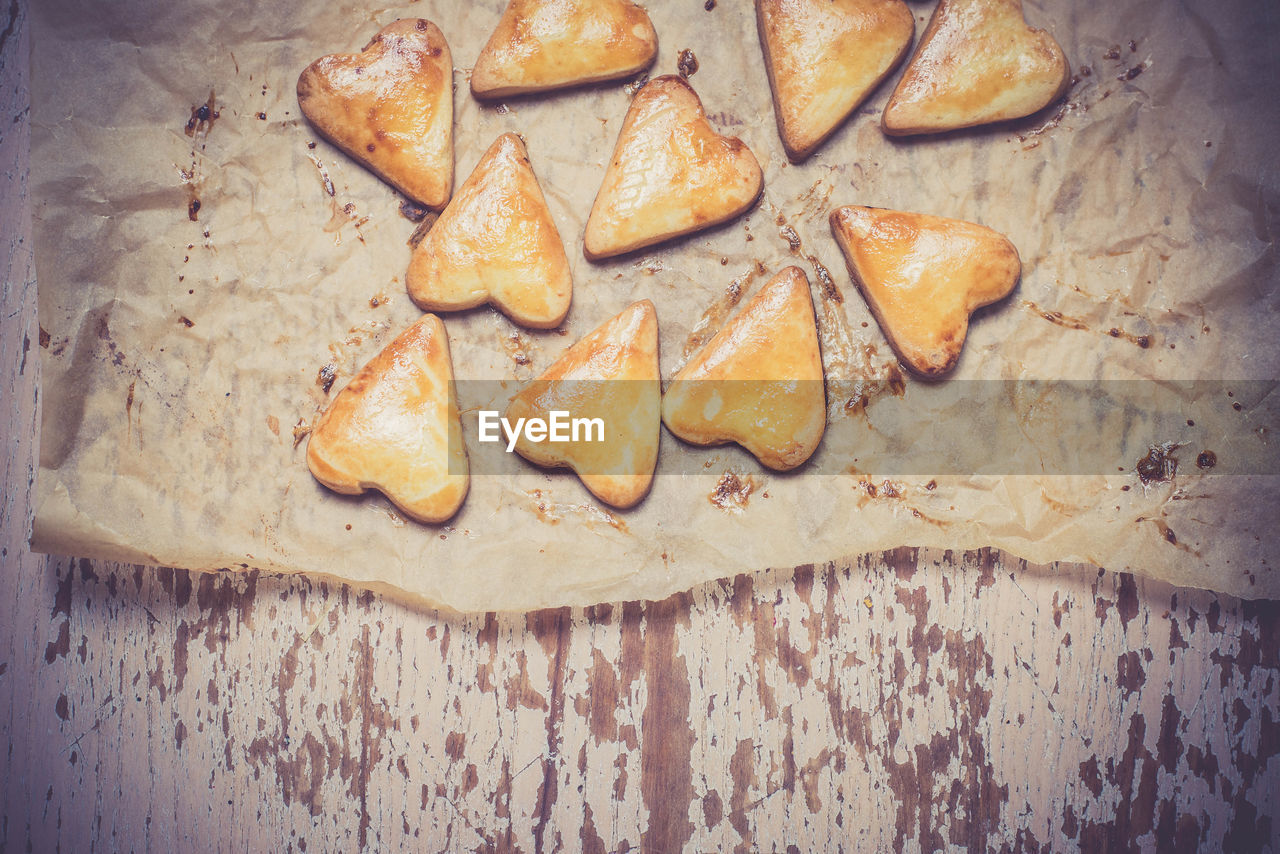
(181, 347)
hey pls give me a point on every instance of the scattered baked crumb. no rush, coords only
(300, 431)
(636, 85)
(733, 491)
(328, 373)
(413, 211)
(687, 64)
(1158, 465)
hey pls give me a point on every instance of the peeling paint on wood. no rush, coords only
(952, 715)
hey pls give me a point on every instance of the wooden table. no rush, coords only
(906, 700)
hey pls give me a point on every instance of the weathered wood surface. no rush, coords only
(911, 701)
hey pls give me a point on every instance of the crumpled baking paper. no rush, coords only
(202, 254)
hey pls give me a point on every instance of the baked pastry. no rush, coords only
(824, 57)
(395, 428)
(671, 174)
(758, 381)
(923, 276)
(610, 374)
(390, 106)
(550, 44)
(978, 62)
(496, 243)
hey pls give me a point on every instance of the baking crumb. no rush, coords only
(687, 64)
(636, 85)
(300, 431)
(326, 376)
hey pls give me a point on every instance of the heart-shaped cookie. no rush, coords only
(550, 44)
(395, 428)
(496, 243)
(923, 276)
(824, 57)
(671, 174)
(759, 381)
(610, 374)
(978, 62)
(390, 107)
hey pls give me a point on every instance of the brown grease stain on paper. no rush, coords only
(1066, 321)
(733, 491)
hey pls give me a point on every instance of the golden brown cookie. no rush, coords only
(824, 57)
(550, 44)
(759, 381)
(395, 428)
(978, 62)
(923, 276)
(390, 106)
(671, 174)
(610, 374)
(496, 243)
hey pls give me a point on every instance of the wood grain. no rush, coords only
(910, 701)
